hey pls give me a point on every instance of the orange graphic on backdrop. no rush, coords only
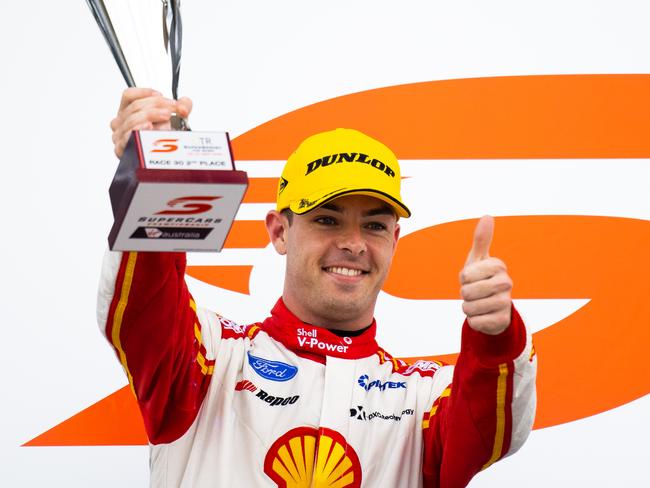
(603, 259)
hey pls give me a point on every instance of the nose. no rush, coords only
(351, 240)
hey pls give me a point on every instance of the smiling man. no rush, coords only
(306, 397)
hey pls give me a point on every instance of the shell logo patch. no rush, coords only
(306, 457)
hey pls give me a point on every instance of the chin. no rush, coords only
(344, 308)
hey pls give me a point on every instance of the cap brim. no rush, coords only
(314, 201)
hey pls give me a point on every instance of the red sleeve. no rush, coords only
(469, 426)
(153, 327)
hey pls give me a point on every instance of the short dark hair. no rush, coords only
(288, 213)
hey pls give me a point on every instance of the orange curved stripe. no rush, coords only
(246, 234)
(112, 421)
(233, 278)
(261, 190)
(555, 116)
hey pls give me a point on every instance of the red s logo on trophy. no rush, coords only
(165, 145)
(188, 205)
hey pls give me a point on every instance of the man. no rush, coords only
(306, 397)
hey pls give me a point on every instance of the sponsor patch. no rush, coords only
(349, 158)
(230, 325)
(310, 339)
(360, 413)
(272, 370)
(170, 233)
(423, 367)
(271, 400)
(365, 383)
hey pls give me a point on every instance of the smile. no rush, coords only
(344, 271)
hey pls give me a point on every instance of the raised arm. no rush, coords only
(487, 411)
(145, 309)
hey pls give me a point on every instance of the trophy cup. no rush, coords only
(173, 190)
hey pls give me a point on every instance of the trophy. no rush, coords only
(173, 190)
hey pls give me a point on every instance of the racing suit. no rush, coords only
(284, 403)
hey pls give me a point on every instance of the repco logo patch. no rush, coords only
(273, 401)
(349, 158)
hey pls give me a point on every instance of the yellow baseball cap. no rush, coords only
(339, 162)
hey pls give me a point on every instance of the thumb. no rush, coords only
(482, 240)
(184, 107)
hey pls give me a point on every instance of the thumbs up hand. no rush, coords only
(485, 284)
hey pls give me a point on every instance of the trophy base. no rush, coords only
(172, 210)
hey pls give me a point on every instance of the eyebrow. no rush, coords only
(383, 210)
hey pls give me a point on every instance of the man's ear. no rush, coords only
(396, 236)
(277, 225)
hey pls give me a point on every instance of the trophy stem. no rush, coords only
(176, 44)
(103, 20)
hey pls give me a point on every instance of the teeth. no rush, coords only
(345, 271)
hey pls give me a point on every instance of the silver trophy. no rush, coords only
(173, 190)
(145, 38)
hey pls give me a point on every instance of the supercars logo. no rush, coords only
(165, 145)
(306, 457)
(272, 370)
(188, 205)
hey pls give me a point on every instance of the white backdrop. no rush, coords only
(245, 63)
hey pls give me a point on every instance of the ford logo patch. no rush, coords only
(272, 370)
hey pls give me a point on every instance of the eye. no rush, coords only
(376, 226)
(325, 220)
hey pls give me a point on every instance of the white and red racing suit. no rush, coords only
(284, 403)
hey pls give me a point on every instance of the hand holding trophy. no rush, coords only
(173, 190)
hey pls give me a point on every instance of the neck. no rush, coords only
(332, 318)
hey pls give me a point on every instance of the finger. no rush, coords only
(165, 125)
(491, 304)
(146, 119)
(120, 144)
(122, 134)
(482, 240)
(148, 104)
(491, 323)
(501, 282)
(154, 115)
(120, 124)
(184, 107)
(132, 94)
(482, 270)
